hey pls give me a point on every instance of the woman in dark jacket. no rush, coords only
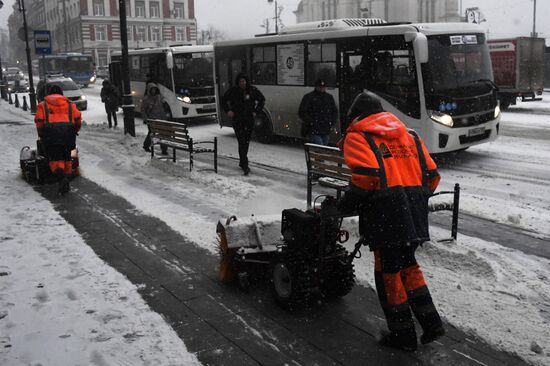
(109, 96)
(241, 103)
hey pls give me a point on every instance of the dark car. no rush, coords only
(69, 87)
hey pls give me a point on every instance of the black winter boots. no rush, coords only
(63, 181)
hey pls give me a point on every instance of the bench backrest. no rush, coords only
(326, 161)
(169, 131)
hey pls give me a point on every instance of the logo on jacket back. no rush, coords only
(385, 151)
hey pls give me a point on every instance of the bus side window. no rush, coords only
(321, 63)
(264, 69)
(393, 73)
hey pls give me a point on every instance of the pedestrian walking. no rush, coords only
(318, 113)
(241, 103)
(393, 175)
(152, 107)
(109, 96)
(58, 122)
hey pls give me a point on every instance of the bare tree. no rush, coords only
(210, 35)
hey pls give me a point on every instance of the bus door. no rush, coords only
(230, 62)
(353, 79)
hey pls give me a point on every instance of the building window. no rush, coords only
(179, 10)
(102, 60)
(155, 34)
(140, 8)
(154, 9)
(130, 32)
(180, 34)
(100, 33)
(141, 34)
(99, 8)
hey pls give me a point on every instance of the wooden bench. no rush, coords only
(326, 167)
(176, 136)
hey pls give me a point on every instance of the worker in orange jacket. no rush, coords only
(58, 121)
(392, 177)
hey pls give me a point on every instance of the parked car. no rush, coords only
(102, 72)
(69, 87)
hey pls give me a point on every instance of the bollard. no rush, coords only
(16, 101)
(25, 106)
(9, 97)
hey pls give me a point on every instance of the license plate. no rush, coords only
(476, 131)
(209, 106)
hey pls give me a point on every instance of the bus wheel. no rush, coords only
(167, 112)
(263, 130)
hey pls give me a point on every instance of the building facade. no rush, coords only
(416, 11)
(92, 26)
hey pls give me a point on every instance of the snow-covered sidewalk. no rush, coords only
(59, 303)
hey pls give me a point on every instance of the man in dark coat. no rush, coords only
(319, 113)
(109, 96)
(241, 103)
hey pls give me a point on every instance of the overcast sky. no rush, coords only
(242, 18)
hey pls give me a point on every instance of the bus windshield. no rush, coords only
(458, 65)
(193, 70)
(79, 64)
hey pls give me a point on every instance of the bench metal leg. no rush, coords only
(152, 151)
(309, 183)
(190, 154)
(216, 155)
(456, 199)
(174, 155)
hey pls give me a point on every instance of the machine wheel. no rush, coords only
(263, 130)
(290, 280)
(340, 278)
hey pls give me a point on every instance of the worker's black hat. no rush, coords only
(364, 105)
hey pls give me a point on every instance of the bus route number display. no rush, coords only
(290, 64)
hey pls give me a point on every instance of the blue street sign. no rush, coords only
(42, 42)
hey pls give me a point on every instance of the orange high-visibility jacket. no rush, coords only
(394, 167)
(57, 120)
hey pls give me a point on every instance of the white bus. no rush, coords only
(184, 75)
(437, 78)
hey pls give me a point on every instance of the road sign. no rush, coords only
(42, 42)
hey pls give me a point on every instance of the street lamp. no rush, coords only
(276, 16)
(128, 106)
(32, 95)
(2, 91)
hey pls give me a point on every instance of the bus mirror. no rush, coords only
(421, 47)
(169, 60)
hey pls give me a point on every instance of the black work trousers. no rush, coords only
(243, 131)
(401, 288)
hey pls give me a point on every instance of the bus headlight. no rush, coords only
(185, 99)
(92, 79)
(497, 111)
(83, 97)
(441, 118)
